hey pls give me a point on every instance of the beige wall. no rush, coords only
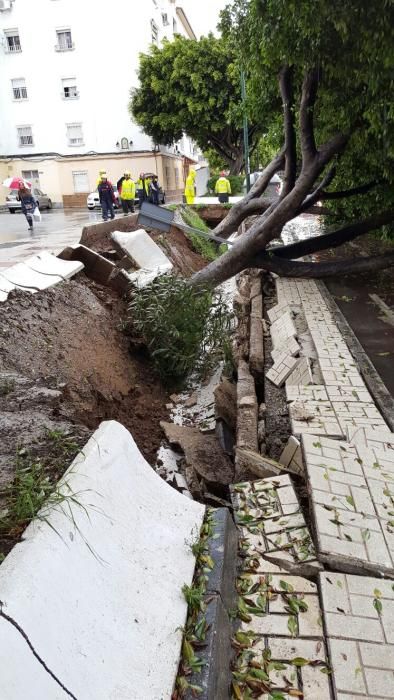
(56, 175)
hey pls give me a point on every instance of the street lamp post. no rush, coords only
(246, 131)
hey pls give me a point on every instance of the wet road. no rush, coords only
(57, 229)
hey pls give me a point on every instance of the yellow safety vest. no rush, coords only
(140, 184)
(189, 186)
(223, 186)
(128, 189)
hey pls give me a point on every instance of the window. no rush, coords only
(13, 44)
(176, 178)
(81, 181)
(74, 134)
(64, 40)
(30, 175)
(154, 31)
(164, 17)
(168, 176)
(25, 136)
(19, 89)
(124, 144)
(69, 89)
(174, 26)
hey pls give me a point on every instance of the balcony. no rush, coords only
(13, 48)
(65, 47)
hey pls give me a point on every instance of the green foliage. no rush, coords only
(208, 249)
(236, 183)
(352, 45)
(194, 87)
(185, 330)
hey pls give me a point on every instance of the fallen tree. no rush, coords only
(312, 170)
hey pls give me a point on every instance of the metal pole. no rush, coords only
(246, 131)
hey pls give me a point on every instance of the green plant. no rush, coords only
(184, 329)
(208, 249)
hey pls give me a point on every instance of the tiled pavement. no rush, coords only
(359, 623)
(348, 456)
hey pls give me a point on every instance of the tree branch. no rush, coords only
(334, 238)
(343, 194)
(308, 99)
(287, 93)
(289, 268)
(316, 195)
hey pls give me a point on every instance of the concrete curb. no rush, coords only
(381, 395)
(214, 677)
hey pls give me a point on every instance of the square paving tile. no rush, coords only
(352, 494)
(283, 366)
(359, 621)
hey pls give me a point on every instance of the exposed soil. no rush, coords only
(70, 336)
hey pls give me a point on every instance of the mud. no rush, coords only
(70, 340)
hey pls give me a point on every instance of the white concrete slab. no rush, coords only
(141, 278)
(48, 264)
(101, 601)
(24, 277)
(142, 249)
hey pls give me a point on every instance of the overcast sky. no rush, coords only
(203, 15)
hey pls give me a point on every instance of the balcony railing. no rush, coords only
(13, 48)
(65, 47)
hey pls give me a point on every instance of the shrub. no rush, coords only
(184, 330)
(208, 249)
(236, 182)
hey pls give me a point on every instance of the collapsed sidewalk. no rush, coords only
(312, 458)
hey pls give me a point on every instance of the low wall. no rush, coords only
(92, 600)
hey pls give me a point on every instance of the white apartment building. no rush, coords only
(66, 71)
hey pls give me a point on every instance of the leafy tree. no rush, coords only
(334, 63)
(194, 87)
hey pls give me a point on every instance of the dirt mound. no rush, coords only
(70, 337)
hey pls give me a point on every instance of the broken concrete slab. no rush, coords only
(203, 454)
(291, 457)
(259, 465)
(226, 402)
(110, 574)
(97, 236)
(290, 345)
(140, 247)
(283, 329)
(247, 415)
(302, 374)
(97, 267)
(283, 366)
(350, 488)
(48, 264)
(23, 277)
(272, 524)
(358, 614)
(256, 342)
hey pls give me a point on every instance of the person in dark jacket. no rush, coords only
(28, 205)
(107, 197)
(154, 190)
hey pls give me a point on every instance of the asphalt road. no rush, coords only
(57, 229)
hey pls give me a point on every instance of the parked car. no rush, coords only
(274, 187)
(14, 204)
(93, 200)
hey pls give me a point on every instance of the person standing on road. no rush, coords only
(107, 197)
(127, 193)
(154, 190)
(140, 187)
(223, 188)
(28, 205)
(190, 187)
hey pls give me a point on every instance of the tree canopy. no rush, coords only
(194, 87)
(334, 67)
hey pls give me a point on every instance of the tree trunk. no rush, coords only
(237, 164)
(290, 268)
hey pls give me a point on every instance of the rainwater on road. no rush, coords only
(58, 229)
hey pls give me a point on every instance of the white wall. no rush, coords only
(108, 38)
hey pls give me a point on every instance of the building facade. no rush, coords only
(66, 71)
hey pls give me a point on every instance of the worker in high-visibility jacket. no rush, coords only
(190, 187)
(140, 187)
(223, 188)
(100, 177)
(127, 193)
